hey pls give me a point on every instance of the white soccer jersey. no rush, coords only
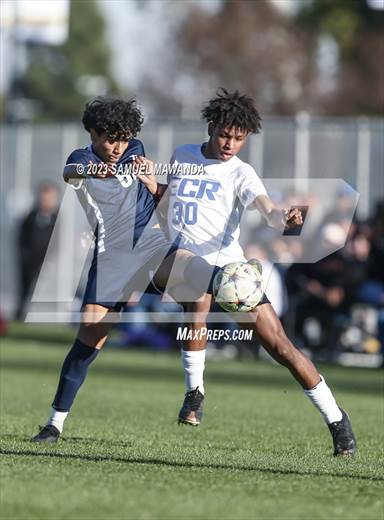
(205, 207)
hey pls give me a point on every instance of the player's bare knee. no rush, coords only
(199, 310)
(88, 329)
(92, 336)
(87, 322)
(200, 316)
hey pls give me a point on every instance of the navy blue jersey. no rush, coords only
(121, 211)
(117, 213)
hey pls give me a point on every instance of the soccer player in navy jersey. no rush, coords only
(131, 251)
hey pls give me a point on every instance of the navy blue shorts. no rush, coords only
(111, 285)
(264, 299)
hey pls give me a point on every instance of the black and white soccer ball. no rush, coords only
(238, 287)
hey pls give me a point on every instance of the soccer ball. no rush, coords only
(238, 286)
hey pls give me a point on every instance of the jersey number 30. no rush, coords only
(184, 213)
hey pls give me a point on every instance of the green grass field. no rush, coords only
(262, 451)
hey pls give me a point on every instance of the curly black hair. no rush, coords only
(232, 109)
(118, 118)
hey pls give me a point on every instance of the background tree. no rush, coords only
(324, 58)
(250, 46)
(59, 79)
(358, 31)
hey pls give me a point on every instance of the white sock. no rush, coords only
(193, 364)
(57, 419)
(322, 397)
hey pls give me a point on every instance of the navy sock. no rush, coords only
(72, 375)
(201, 274)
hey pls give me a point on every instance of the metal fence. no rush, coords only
(300, 148)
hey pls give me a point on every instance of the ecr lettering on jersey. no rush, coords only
(188, 188)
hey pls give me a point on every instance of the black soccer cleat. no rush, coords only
(192, 410)
(344, 441)
(47, 434)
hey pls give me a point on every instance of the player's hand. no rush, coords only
(146, 173)
(103, 172)
(293, 217)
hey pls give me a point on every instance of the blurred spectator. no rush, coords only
(371, 290)
(33, 239)
(343, 207)
(3, 325)
(325, 294)
(324, 291)
(376, 257)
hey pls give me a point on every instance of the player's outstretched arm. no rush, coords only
(277, 218)
(73, 172)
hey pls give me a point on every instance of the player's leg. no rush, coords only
(91, 337)
(186, 271)
(267, 326)
(188, 278)
(193, 360)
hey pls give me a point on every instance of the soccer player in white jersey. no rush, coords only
(203, 216)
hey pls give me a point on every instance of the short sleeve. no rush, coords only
(79, 157)
(136, 148)
(248, 185)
